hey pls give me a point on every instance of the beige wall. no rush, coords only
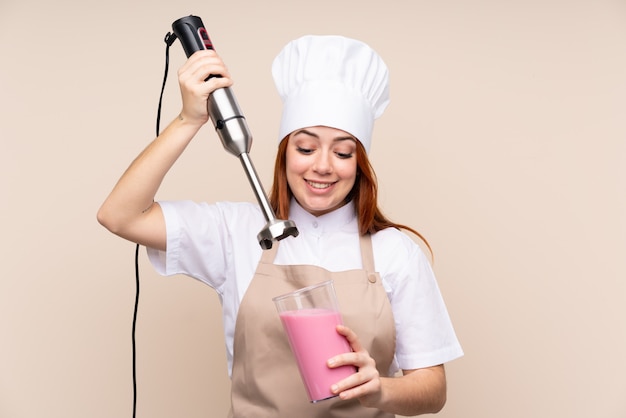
(504, 144)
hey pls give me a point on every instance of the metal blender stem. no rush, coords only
(257, 187)
(231, 127)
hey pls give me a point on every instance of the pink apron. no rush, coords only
(265, 377)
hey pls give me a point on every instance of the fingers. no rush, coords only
(351, 337)
(196, 86)
(366, 381)
(206, 60)
(362, 388)
(363, 385)
(200, 66)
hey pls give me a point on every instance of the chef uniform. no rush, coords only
(341, 83)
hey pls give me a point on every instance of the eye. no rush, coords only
(305, 151)
(344, 155)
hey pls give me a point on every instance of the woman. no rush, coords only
(333, 88)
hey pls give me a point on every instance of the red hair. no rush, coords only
(364, 193)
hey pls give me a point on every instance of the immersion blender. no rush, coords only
(233, 131)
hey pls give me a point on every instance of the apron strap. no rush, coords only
(268, 256)
(367, 256)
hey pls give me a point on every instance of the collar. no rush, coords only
(318, 225)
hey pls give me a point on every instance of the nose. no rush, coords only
(323, 163)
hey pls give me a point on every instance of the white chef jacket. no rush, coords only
(217, 244)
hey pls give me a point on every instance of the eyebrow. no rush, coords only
(313, 134)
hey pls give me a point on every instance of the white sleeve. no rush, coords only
(425, 336)
(201, 240)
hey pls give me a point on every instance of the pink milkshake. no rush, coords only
(314, 339)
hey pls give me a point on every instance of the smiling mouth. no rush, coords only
(316, 185)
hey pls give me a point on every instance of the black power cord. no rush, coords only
(169, 40)
(134, 328)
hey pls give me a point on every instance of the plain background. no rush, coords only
(504, 144)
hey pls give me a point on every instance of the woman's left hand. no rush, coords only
(363, 385)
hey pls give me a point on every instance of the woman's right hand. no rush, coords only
(129, 211)
(195, 88)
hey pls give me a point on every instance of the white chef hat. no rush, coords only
(331, 81)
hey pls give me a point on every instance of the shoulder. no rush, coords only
(398, 257)
(396, 243)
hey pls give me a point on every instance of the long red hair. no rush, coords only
(364, 193)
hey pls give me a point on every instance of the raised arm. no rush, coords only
(129, 211)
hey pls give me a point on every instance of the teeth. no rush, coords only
(319, 185)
